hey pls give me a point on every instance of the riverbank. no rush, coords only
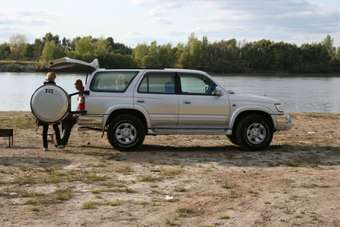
(33, 66)
(19, 66)
(172, 180)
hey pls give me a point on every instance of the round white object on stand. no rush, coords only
(50, 103)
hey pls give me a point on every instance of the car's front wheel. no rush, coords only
(126, 132)
(254, 132)
(233, 139)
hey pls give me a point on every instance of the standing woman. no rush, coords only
(50, 79)
(71, 119)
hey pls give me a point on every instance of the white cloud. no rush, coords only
(135, 21)
(248, 19)
(23, 22)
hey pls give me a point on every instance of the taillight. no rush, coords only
(81, 103)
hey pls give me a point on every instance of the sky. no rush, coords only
(138, 21)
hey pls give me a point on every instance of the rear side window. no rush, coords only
(158, 83)
(117, 81)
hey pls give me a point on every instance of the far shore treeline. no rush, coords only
(225, 56)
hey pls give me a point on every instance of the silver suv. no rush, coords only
(132, 103)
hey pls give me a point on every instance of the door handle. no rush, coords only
(140, 101)
(187, 102)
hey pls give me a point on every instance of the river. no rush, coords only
(305, 93)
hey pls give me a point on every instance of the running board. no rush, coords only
(189, 131)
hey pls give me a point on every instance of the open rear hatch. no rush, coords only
(70, 64)
(75, 65)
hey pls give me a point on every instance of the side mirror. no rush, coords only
(217, 92)
(87, 92)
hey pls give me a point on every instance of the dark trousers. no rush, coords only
(45, 131)
(67, 125)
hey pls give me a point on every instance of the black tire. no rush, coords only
(245, 138)
(138, 132)
(233, 139)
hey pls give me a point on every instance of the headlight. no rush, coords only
(279, 107)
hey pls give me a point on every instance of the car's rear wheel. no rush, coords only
(126, 132)
(254, 132)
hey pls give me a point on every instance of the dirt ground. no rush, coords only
(172, 180)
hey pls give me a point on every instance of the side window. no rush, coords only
(112, 81)
(196, 84)
(158, 83)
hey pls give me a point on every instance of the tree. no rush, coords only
(51, 51)
(328, 44)
(139, 52)
(259, 55)
(102, 47)
(66, 44)
(50, 37)
(191, 55)
(38, 46)
(17, 45)
(84, 46)
(5, 51)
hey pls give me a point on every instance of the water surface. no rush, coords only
(299, 94)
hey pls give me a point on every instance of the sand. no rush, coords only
(172, 180)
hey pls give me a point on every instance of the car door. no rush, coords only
(156, 93)
(198, 107)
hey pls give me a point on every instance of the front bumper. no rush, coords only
(283, 122)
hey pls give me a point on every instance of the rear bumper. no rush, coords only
(90, 121)
(282, 122)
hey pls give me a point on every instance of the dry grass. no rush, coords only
(63, 194)
(89, 205)
(187, 212)
(180, 181)
(95, 204)
(170, 171)
(17, 62)
(149, 178)
(225, 217)
(58, 176)
(58, 196)
(123, 169)
(123, 189)
(19, 120)
(228, 185)
(115, 203)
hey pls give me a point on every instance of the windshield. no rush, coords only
(115, 81)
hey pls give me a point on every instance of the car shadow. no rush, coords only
(33, 162)
(276, 155)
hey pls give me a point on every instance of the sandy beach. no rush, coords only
(172, 180)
